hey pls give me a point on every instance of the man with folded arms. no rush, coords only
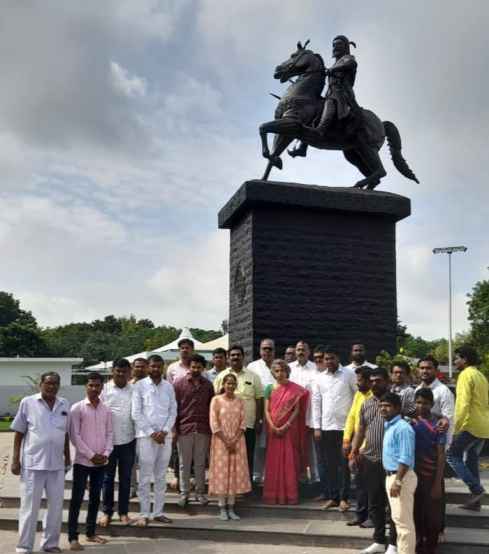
(41, 427)
(154, 410)
(91, 435)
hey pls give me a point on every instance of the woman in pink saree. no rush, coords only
(285, 411)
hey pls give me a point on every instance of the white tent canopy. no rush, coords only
(185, 334)
(169, 352)
(220, 342)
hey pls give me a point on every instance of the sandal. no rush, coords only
(97, 539)
(105, 520)
(162, 519)
(140, 522)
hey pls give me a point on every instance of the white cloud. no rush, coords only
(192, 283)
(125, 84)
(106, 173)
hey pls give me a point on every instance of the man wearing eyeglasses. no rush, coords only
(262, 368)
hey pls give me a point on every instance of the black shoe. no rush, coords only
(354, 522)
(367, 524)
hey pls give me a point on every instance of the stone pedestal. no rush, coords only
(313, 263)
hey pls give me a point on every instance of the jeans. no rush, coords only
(80, 476)
(121, 458)
(465, 445)
(337, 474)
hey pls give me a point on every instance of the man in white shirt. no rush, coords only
(262, 368)
(181, 367)
(303, 372)
(219, 361)
(117, 395)
(332, 397)
(443, 399)
(357, 357)
(154, 410)
(41, 455)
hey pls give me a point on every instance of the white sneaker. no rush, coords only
(374, 548)
(391, 549)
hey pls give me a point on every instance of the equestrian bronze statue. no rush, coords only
(333, 122)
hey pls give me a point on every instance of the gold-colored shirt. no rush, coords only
(249, 389)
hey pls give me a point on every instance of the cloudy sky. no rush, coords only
(126, 124)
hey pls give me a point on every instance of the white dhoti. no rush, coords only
(33, 483)
(259, 456)
(153, 464)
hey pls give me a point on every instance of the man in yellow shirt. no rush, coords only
(351, 427)
(471, 423)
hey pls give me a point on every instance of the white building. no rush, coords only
(19, 376)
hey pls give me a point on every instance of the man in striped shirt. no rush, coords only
(371, 428)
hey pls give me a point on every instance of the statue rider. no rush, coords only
(340, 99)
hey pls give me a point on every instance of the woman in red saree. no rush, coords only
(285, 412)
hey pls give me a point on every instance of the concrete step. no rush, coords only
(265, 530)
(456, 492)
(252, 507)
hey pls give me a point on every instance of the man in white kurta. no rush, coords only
(262, 368)
(154, 410)
(41, 455)
(304, 372)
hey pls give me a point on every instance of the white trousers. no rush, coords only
(32, 484)
(402, 511)
(259, 456)
(153, 464)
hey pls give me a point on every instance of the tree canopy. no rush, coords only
(102, 339)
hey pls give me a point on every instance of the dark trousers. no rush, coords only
(250, 437)
(322, 470)
(428, 515)
(377, 501)
(121, 459)
(80, 476)
(337, 472)
(361, 493)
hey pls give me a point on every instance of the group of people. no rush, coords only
(275, 423)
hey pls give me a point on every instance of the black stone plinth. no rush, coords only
(313, 263)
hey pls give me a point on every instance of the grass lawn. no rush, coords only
(4, 425)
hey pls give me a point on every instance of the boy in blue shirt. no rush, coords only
(398, 462)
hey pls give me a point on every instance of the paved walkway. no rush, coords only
(152, 546)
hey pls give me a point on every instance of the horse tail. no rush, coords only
(394, 142)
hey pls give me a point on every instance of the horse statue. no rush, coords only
(360, 135)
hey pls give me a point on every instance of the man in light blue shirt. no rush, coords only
(398, 462)
(41, 455)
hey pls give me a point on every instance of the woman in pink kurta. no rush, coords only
(228, 466)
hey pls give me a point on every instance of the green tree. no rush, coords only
(478, 305)
(19, 333)
(11, 311)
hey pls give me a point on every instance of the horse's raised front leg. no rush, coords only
(287, 126)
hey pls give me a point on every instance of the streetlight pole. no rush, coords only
(450, 250)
